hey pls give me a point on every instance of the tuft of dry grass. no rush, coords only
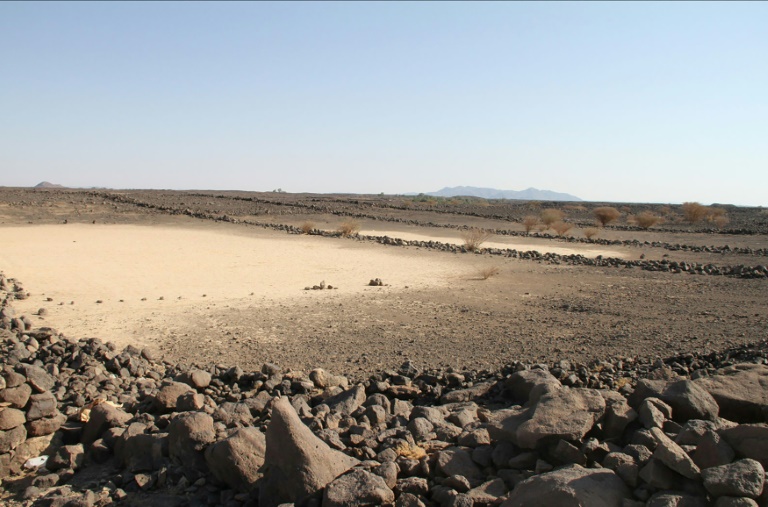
(606, 214)
(488, 271)
(575, 207)
(529, 223)
(551, 215)
(474, 237)
(561, 227)
(694, 212)
(647, 219)
(348, 228)
(590, 232)
(307, 227)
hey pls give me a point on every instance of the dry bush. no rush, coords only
(694, 212)
(529, 223)
(348, 228)
(550, 216)
(626, 209)
(606, 214)
(646, 219)
(715, 212)
(590, 232)
(307, 227)
(561, 227)
(721, 221)
(665, 210)
(575, 207)
(487, 272)
(473, 238)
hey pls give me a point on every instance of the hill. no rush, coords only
(46, 184)
(529, 194)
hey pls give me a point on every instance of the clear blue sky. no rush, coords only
(660, 102)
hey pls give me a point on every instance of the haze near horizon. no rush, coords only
(640, 102)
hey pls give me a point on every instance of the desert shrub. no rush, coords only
(487, 272)
(474, 237)
(646, 219)
(694, 212)
(606, 214)
(348, 228)
(590, 232)
(561, 227)
(720, 221)
(575, 207)
(665, 210)
(626, 209)
(529, 223)
(307, 227)
(550, 216)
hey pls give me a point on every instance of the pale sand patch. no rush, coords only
(513, 242)
(233, 266)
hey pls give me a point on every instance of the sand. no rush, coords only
(150, 278)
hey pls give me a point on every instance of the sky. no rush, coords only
(609, 101)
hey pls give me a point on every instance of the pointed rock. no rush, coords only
(297, 464)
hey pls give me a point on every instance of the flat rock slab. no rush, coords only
(572, 486)
(561, 414)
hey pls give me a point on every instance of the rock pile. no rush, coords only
(124, 427)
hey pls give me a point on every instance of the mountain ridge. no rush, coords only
(529, 194)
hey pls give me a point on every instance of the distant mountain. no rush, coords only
(530, 194)
(46, 184)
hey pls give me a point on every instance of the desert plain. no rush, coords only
(204, 278)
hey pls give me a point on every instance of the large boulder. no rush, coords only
(188, 434)
(37, 377)
(347, 401)
(103, 417)
(571, 486)
(687, 399)
(237, 460)
(748, 440)
(561, 414)
(741, 391)
(297, 464)
(521, 383)
(359, 488)
(742, 478)
(167, 397)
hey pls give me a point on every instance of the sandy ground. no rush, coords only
(150, 277)
(436, 310)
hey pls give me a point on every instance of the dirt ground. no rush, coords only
(147, 268)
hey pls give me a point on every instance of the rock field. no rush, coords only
(83, 424)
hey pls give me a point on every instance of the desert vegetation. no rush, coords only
(475, 237)
(488, 271)
(348, 228)
(307, 227)
(561, 228)
(606, 214)
(590, 232)
(550, 216)
(529, 223)
(647, 219)
(694, 212)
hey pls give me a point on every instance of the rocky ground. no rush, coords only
(82, 423)
(620, 384)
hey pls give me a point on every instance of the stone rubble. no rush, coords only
(121, 427)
